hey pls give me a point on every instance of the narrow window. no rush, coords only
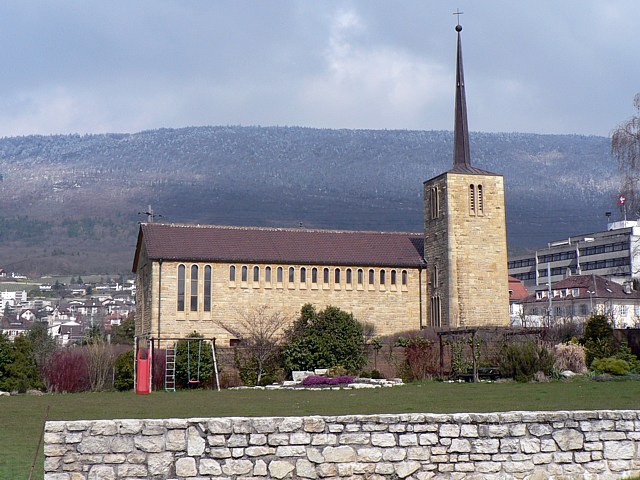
(181, 274)
(393, 277)
(337, 276)
(314, 275)
(232, 273)
(194, 288)
(267, 275)
(207, 288)
(435, 202)
(244, 273)
(383, 277)
(325, 276)
(436, 311)
(404, 278)
(472, 199)
(349, 278)
(279, 275)
(303, 275)
(256, 274)
(480, 200)
(292, 275)
(372, 277)
(435, 280)
(360, 277)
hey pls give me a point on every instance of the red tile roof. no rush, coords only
(279, 245)
(517, 290)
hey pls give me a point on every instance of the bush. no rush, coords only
(324, 339)
(521, 361)
(19, 371)
(598, 338)
(610, 365)
(270, 372)
(570, 356)
(421, 358)
(124, 371)
(67, 371)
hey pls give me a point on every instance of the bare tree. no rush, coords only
(259, 331)
(625, 145)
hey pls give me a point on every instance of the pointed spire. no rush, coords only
(461, 155)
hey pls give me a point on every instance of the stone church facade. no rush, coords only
(192, 277)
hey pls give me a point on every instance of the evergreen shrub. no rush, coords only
(124, 371)
(522, 360)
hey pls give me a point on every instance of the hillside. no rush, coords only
(70, 203)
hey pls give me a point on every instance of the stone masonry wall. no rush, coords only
(533, 445)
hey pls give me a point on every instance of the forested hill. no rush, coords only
(70, 203)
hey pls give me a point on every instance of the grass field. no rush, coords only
(21, 416)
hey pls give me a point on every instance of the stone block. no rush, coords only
(276, 439)
(569, 439)
(219, 426)
(220, 452)
(362, 468)
(539, 429)
(54, 449)
(290, 424)
(159, 463)
(408, 440)
(384, 468)
(482, 445)
(113, 458)
(280, 468)
(563, 457)
(517, 430)
(186, 467)
(300, 438)
(237, 467)
(260, 468)
(241, 425)
(305, 469)
(542, 458)
(370, 454)
(464, 467)
(488, 467)
(195, 442)
(259, 451)
(530, 445)
(150, 444)
(208, 466)
(153, 427)
(135, 470)
(95, 445)
(394, 454)
(176, 440)
(469, 431)
(428, 439)
(361, 438)
(339, 454)
(237, 452)
(324, 439)
(291, 451)
(101, 472)
(404, 469)
(314, 425)
(619, 450)
(212, 441)
(582, 457)
(237, 440)
(103, 427)
(257, 439)
(383, 440)
(449, 431)
(327, 470)
(459, 445)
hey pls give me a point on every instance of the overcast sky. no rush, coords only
(542, 66)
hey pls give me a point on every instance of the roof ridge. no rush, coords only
(278, 229)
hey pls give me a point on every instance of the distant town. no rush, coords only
(72, 310)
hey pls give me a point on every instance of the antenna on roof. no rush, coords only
(150, 215)
(301, 225)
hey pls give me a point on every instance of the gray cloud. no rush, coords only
(544, 66)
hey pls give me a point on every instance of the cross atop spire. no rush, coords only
(461, 154)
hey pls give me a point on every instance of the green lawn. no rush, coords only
(21, 416)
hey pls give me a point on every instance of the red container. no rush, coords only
(142, 373)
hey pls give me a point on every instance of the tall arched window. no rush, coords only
(383, 277)
(232, 273)
(292, 275)
(267, 275)
(194, 288)
(435, 202)
(360, 277)
(181, 287)
(256, 274)
(372, 277)
(393, 278)
(325, 276)
(314, 275)
(472, 199)
(435, 280)
(279, 275)
(404, 278)
(303, 275)
(336, 275)
(349, 277)
(207, 288)
(436, 311)
(480, 201)
(244, 273)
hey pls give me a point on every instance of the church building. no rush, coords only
(194, 277)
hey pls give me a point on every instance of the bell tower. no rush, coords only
(465, 243)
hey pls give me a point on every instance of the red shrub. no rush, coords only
(67, 372)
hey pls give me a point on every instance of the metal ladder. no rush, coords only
(170, 369)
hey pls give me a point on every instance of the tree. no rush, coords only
(324, 339)
(124, 333)
(259, 332)
(43, 344)
(598, 338)
(625, 146)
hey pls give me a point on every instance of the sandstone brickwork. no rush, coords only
(466, 243)
(534, 445)
(391, 307)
